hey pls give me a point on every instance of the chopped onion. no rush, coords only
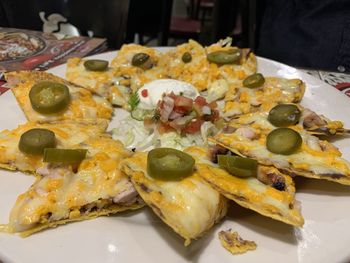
(206, 110)
(168, 106)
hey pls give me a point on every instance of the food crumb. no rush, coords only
(234, 243)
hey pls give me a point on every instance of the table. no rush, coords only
(340, 81)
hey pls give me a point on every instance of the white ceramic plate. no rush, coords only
(142, 237)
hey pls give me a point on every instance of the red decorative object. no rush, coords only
(2, 88)
(344, 87)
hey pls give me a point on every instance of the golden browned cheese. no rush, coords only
(233, 243)
(68, 134)
(310, 121)
(62, 194)
(83, 105)
(315, 159)
(241, 100)
(103, 83)
(250, 192)
(200, 72)
(189, 206)
(135, 77)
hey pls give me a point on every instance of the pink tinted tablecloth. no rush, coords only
(340, 81)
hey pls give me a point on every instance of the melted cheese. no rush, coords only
(63, 194)
(102, 83)
(252, 194)
(137, 77)
(83, 104)
(189, 207)
(68, 134)
(199, 72)
(323, 162)
(241, 100)
(232, 242)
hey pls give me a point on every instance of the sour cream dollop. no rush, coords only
(155, 90)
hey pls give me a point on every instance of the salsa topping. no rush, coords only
(182, 114)
(144, 93)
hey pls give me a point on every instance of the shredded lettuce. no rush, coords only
(134, 135)
(227, 42)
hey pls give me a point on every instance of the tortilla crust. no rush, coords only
(82, 104)
(248, 192)
(233, 243)
(69, 133)
(338, 178)
(103, 212)
(227, 185)
(157, 203)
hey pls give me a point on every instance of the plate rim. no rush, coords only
(303, 75)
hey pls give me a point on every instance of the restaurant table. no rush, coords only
(340, 81)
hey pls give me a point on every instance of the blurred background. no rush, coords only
(151, 22)
(308, 34)
(206, 21)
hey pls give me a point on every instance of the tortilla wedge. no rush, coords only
(63, 194)
(315, 159)
(83, 104)
(190, 206)
(250, 192)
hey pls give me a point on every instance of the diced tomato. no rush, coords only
(163, 128)
(213, 105)
(193, 127)
(201, 101)
(174, 114)
(144, 93)
(215, 115)
(183, 104)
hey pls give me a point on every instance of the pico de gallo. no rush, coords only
(182, 114)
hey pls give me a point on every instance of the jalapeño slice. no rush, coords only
(54, 155)
(283, 141)
(284, 115)
(254, 81)
(142, 60)
(169, 164)
(238, 166)
(222, 57)
(49, 97)
(186, 57)
(34, 141)
(96, 65)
